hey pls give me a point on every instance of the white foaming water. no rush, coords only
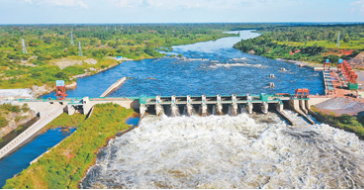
(237, 65)
(230, 152)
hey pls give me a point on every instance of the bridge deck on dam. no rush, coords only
(151, 99)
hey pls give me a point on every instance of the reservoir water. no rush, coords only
(209, 68)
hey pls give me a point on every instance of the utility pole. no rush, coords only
(24, 48)
(79, 49)
(72, 39)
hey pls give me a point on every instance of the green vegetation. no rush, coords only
(65, 165)
(346, 122)
(6, 109)
(3, 122)
(66, 121)
(10, 108)
(48, 44)
(306, 43)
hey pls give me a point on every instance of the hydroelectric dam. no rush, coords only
(204, 105)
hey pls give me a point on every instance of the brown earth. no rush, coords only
(358, 61)
(341, 105)
(66, 62)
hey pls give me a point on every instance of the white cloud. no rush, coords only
(132, 3)
(358, 5)
(162, 4)
(59, 3)
(123, 3)
(29, 1)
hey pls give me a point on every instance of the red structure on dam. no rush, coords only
(61, 90)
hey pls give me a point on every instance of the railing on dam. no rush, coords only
(150, 99)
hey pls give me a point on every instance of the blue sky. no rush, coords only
(178, 11)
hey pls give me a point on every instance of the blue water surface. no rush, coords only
(209, 68)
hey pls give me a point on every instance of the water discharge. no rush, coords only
(258, 151)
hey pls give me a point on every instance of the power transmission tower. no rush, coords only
(72, 39)
(24, 48)
(79, 49)
(338, 40)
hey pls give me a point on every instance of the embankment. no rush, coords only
(65, 165)
(346, 122)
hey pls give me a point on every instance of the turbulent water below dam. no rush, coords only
(258, 151)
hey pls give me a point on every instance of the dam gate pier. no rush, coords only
(205, 105)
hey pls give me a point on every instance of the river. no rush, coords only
(244, 151)
(209, 68)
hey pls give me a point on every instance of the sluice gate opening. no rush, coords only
(233, 105)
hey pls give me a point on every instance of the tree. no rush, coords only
(3, 122)
(62, 75)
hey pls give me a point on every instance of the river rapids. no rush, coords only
(258, 151)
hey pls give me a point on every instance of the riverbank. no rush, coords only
(314, 46)
(65, 165)
(313, 66)
(343, 113)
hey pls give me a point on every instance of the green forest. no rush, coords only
(307, 43)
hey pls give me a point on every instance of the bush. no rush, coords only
(10, 108)
(25, 108)
(62, 75)
(74, 70)
(346, 122)
(3, 122)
